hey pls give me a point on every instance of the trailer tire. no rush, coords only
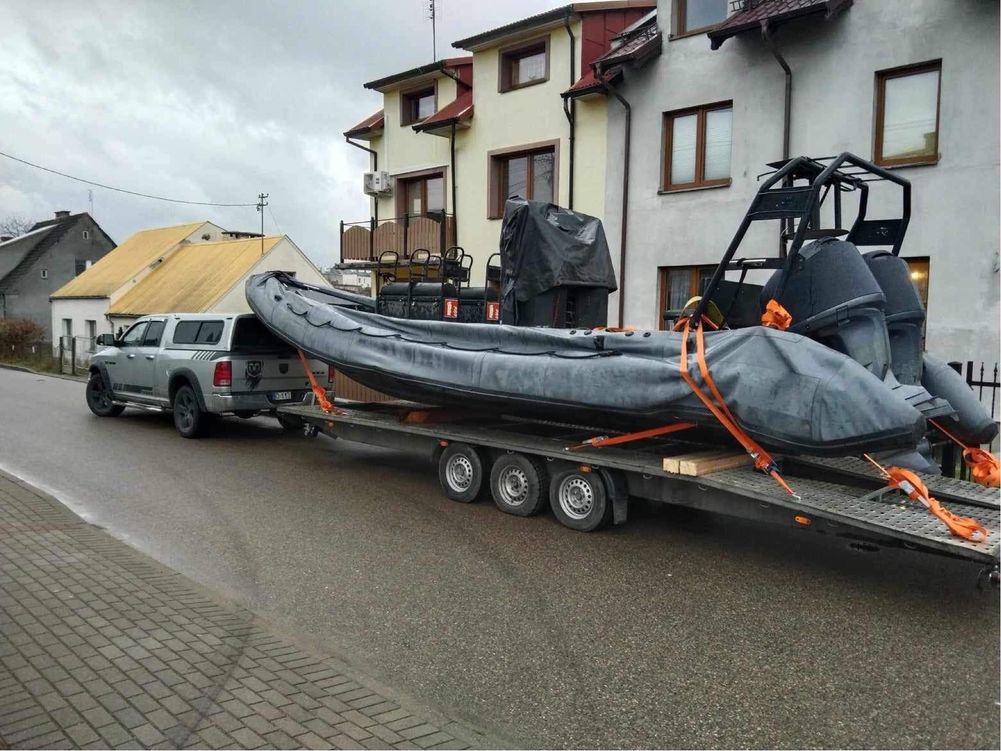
(579, 500)
(460, 472)
(518, 484)
(290, 423)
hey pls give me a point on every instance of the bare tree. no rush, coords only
(15, 225)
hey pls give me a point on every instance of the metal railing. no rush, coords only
(366, 240)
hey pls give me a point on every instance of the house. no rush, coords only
(189, 268)
(909, 84)
(45, 258)
(522, 113)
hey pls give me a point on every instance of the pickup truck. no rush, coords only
(199, 365)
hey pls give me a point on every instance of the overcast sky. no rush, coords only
(208, 100)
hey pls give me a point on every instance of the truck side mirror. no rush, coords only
(105, 340)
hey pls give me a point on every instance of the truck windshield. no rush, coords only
(250, 334)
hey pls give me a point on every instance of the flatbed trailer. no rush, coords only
(528, 466)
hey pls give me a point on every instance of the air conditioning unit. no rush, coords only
(378, 183)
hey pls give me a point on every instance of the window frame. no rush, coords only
(902, 71)
(497, 172)
(159, 334)
(512, 53)
(400, 189)
(139, 324)
(663, 277)
(409, 96)
(679, 30)
(667, 135)
(44, 274)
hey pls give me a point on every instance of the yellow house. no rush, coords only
(523, 114)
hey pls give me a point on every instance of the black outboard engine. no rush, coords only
(905, 315)
(834, 299)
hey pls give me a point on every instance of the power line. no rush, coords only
(119, 190)
(273, 219)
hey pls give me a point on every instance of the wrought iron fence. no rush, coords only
(983, 381)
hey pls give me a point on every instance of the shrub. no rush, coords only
(19, 332)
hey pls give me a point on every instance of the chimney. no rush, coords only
(62, 215)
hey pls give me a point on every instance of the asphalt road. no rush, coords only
(677, 629)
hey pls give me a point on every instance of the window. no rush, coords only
(68, 327)
(134, 336)
(907, 108)
(678, 285)
(920, 271)
(86, 234)
(91, 328)
(422, 194)
(417, 105)
(529, 174)
(697, 147)
(45, 273)
(197, 332)
(524, 65)
(250, 335)
(152, 338)
(693, 16)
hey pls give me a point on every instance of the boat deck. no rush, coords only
(849, 495)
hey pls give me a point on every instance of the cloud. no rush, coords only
(208, 101)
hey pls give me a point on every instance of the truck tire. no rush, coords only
(518, 484)
(99, 398)
(460, 472)
(579, 500)
(189, 419)
(290, 423)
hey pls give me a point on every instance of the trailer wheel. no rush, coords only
(460, 472)
(579, 500)
(518, 483)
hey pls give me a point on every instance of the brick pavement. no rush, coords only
(100, 646)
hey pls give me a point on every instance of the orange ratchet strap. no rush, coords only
(775, 316)
(910, 485)
(984, 467)
(318, 391)
(604, 440)
(715, 404)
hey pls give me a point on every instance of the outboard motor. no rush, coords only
(834, 299)
(972, 424)
(905, 315)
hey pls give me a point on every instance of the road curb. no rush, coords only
(25, 369)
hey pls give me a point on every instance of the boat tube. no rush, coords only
(789, 393)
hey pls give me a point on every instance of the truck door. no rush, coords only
(144, 364)
(123, 372)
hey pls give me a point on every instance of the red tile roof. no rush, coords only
(589, 83)
(458, 110)
(772, 11)
(641, 43)
(370, 125)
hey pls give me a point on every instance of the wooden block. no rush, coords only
(673, 463)
(707, 465)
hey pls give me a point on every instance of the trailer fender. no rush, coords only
(618, 493)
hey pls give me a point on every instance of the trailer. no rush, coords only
(587, 479)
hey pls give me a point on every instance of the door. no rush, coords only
(146, 376)
(125, 372)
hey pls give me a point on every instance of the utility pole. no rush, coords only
(262, 201)
(434, 41)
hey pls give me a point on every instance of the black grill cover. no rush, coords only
(544, 246)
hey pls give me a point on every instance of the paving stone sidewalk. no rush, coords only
(101, 646)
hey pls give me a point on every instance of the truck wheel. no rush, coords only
(579, 500)
(99, 398)
(460, 472)
(189, 419)
(518, 484)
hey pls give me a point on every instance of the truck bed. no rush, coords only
(841, 496)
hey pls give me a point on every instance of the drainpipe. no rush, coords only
(625, 191)
(375, 168)
(570, 105)
(455, 211)
(767, 36)
(786, 225)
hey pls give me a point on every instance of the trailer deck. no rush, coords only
(837, 496)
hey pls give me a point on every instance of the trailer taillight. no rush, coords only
(223, 375)
(331, 372)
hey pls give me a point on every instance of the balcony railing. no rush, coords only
(366, 240)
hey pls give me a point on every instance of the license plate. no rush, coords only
(281, 396)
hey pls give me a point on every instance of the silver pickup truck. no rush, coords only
(198, 365)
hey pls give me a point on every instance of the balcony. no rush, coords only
(364, 241)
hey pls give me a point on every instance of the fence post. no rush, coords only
(371, 238)
(61, 355)
(72, 355)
